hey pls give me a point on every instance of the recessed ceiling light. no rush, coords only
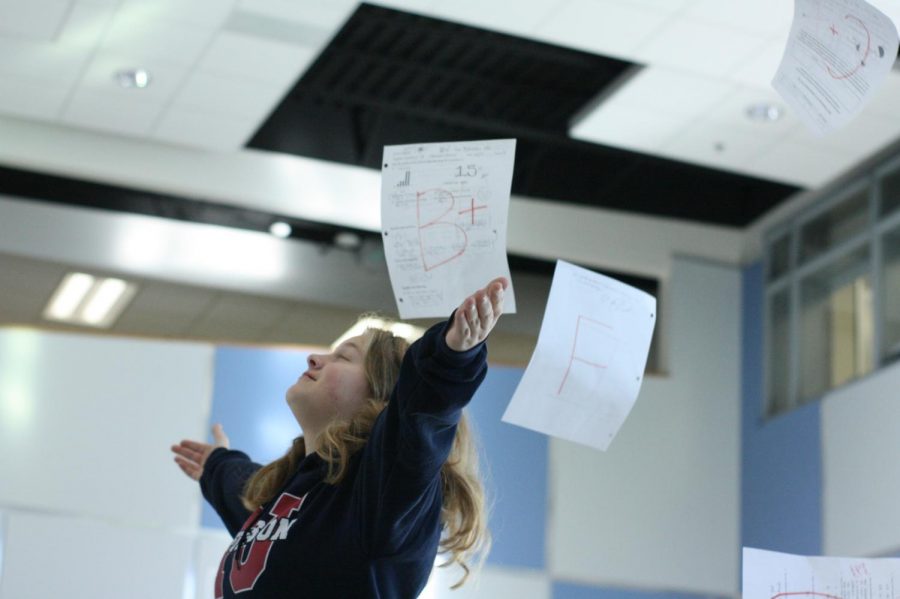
(132, 78)
(68, 296)
(86, 300)
(347, 240)
(280, 229)
(764, 112)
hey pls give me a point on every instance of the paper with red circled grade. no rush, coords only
(837, 55)
(774, 575)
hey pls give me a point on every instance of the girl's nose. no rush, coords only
(314, 360)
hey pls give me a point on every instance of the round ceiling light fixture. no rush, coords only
(764, 112)
(280, 229)
(132, 78)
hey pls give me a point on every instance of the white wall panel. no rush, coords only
(660, 509)
(209, 548)
(860, 445)
(86, 423)
(53, 556)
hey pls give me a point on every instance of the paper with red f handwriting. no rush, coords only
(837, 55)
(444, 209)
(773, 575)
(588, 365)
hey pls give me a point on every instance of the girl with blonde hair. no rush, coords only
(383, 478)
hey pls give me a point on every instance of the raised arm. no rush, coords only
(222, 474)
(399, 479)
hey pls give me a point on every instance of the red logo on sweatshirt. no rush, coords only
(250, 549)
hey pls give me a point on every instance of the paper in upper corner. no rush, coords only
(774, 575)
(837, 55)
(444, 212)
(588, 365)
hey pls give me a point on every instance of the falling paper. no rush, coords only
(771, 575)
(588, 365)
(838, 53)
(444, 213)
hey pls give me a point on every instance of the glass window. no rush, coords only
(780, 257)
(836, 324)
(779, 352)
(839, 223)
(890, 299)
(890, 193)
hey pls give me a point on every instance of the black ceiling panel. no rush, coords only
(390, 77)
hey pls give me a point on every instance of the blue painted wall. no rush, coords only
(566, 590)
(781, 478)
(515, 473)
(248, 400)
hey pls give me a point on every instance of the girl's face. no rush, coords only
(334, 386)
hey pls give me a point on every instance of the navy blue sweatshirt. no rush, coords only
(375, 534)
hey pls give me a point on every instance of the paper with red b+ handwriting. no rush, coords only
(444, 211)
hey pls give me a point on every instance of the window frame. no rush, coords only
(871, 237)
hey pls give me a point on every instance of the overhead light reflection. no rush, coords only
(198, 252)
(69, 295)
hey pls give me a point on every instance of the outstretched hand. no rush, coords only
(476, 316)
(191, 455)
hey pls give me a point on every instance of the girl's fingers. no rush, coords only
(190, 454)
(195, 445)
(219, 435)
(192, 470)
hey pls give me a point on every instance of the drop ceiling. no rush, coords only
(636, 106)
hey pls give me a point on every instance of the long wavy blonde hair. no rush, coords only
(465, 539)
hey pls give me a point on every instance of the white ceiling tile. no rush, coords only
(205, 13)
(41, 61)
(886, 100)
(93, 110)
(762, 17)
(176, 42)
(608, 27)
(800, 164)
(36, 19)
(716, 145)
(861, 137)
(324, 15)
(261, 60)
(759, 68)
(25, 98)
(700, 47)
(497, 16)
(672, 91)
(201, 129)
(165, 78)
(229, 95)
(86, 24)
(620, 125)
(669, 6)
(415, 6)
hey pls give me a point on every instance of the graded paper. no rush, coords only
(444, 210)
(838, 53)
(772, 575)
(588, 365)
